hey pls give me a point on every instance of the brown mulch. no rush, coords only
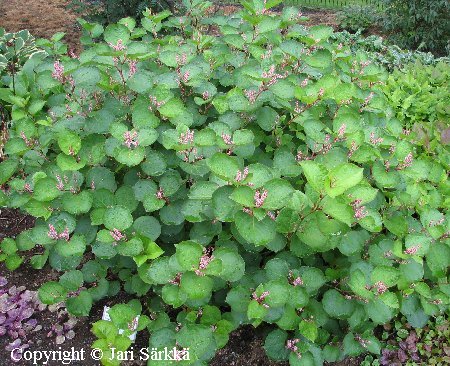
(41, 18)
(12, 223)
(315, 16)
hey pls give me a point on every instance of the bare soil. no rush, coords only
(41, 18)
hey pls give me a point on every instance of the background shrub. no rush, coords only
(420, 96)
(383, 53)
(15, 50)
(357, 18)
(419, 24)
(110, 11)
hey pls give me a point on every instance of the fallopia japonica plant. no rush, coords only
(253, 177)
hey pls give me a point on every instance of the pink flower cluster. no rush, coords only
(117, 235)
(361, 341)
(380, 287)
(352, 149)
(406, 132)
(323, 149)
(130, 139)
(260, 299)
(176, 280)
(58, 71)
(119, 46)
(133, 67)
(360, 211)
(436, 222)
(294, 281)
(187, 155)
(60, 184)
(375, 140)
(241, 175)
(260, 197)
(367, 101)
(133, 324)
(251, 95)
(341, 131)
(227, 139)
(247, 210)
(187, 138)
(27, 188)
(183, 77)
(205, 259)
(407, 162)
(53, 234)
(154, 103)
(273, 76)
(181, 60)
(268, 54)
(28, 142)
(291, 345)
(412, 250)
(160, 194)
(205, 95)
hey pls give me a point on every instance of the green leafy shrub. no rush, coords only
(419, 24)
(257, 177)
(385, 54)
(15, 50)
(110, 11)
(357, 18)
(420, 96)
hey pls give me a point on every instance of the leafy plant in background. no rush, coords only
(419, 24)
(258, 177)
(15, 50)
(357, 18)
(110, 11)
(385, 54)
(420, 95)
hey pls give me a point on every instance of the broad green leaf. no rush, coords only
(254, 231)
(341, 178)
(117, 217)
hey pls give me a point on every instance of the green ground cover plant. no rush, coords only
(357, 18)
(384, 53)
(257, 177)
